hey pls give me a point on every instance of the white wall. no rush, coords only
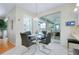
(67, 14)
(11, 32)
(16, 15)
(20, 13)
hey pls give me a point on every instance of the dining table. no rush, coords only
(36, 39)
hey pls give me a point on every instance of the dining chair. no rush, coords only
(26, 41)
(44, 32)
(28, 33)
(45, 42)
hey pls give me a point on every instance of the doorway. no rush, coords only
(6, 37)
(53, 24)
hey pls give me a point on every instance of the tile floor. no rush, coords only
(55, 49)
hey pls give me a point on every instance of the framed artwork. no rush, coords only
(12, 24)
(70, 23)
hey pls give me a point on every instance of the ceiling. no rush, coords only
(39, 7)
(31, 7)
(5, 8)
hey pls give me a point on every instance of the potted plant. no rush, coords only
(3, 26)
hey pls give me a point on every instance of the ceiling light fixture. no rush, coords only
(75, 9)
(36, 13)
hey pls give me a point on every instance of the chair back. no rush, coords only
(25, 40)
(28, 33)
(48, 38)
(44, 32)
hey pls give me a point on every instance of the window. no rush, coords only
(57, 27)
(43, 25)
(27, 23)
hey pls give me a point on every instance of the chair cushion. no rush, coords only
(75, 51)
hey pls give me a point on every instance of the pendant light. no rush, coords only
(36, 6)
(36, 11)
